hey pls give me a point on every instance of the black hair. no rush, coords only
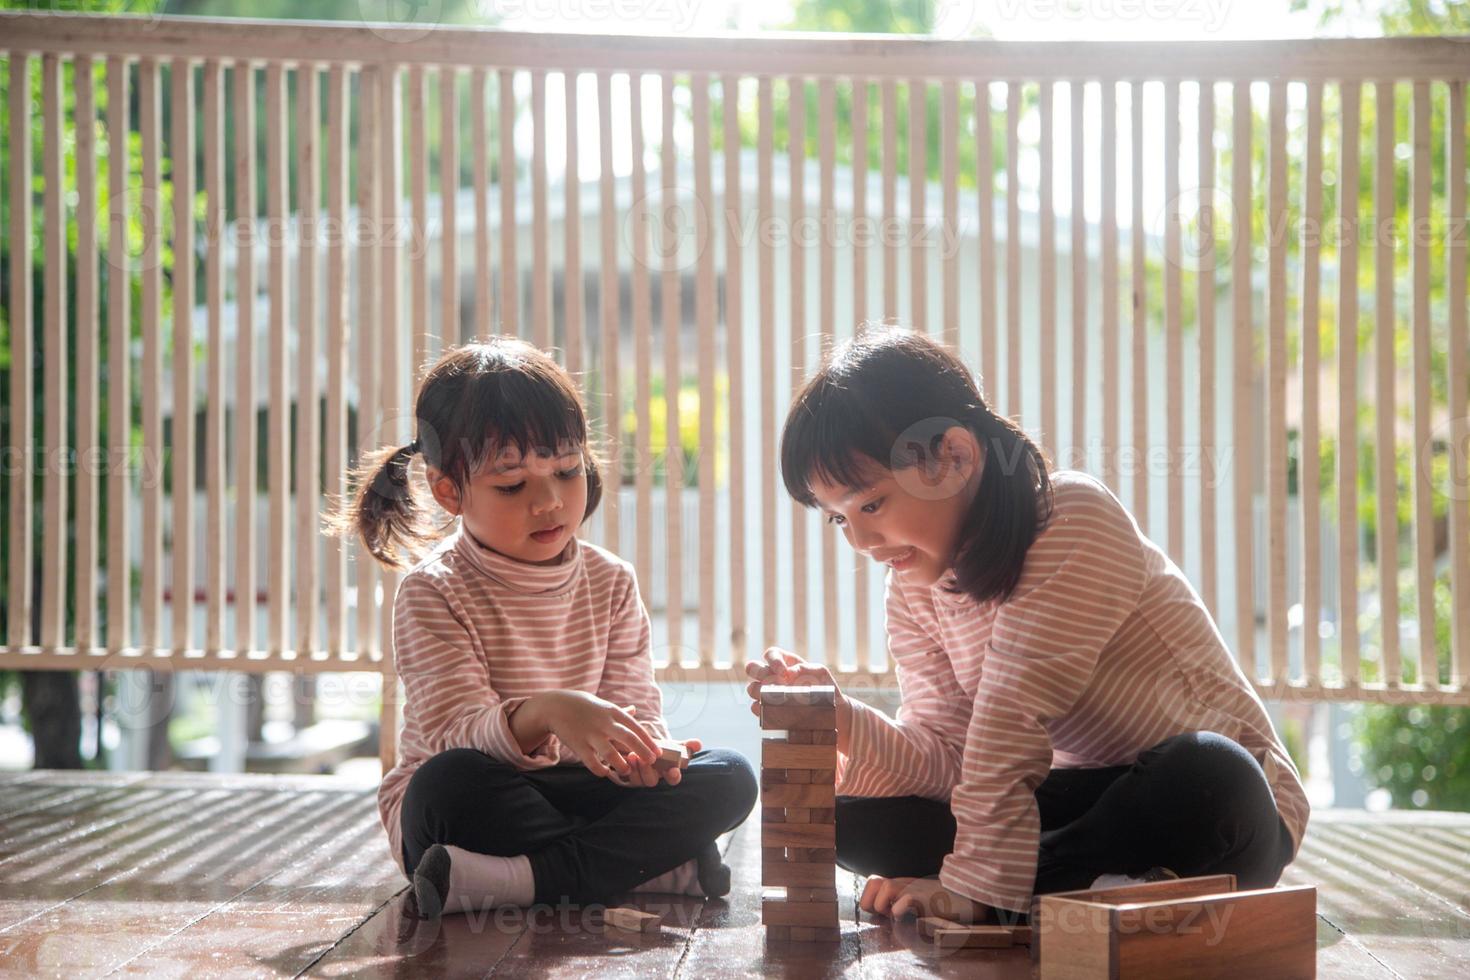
(887, 397)
(477, 399)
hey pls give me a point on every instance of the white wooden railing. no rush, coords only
(342, 279)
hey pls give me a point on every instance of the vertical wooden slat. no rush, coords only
(150, 109)
(418, 156)
(890, 201)
(1173, 326)
(88, 446)
(212, 135)
(1243, 346)
(367, 335)
(1347, 382)
(181, 155)
(1276, 381)
(20, 593)
(336, 353)
(119, 358)
(307, 451)
(484, 316)
(949, 125)
(735, 361)
(642, 342)
(767, 282)
(796, 136)
(54, 362)
(1423, 453)
(1139, 475)
(1047, 274)
(540, 251)
(278, 425)
(243, 125)
(1108, 252)
(1385, 404)
(985, 182)
(1013, 249)
(670, 295)
(827, 290)
(918, 89)
(862, 642)
(510, 301)
(1078, 224)
(608, 289)
(573, 311)
(395, 427)
(1309, 490)
(1459, 371)
(1205, 301)
(704, 314)
(448, 206)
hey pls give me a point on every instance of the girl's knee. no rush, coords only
(729, 780)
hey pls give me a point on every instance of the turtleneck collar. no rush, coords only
(520, 576)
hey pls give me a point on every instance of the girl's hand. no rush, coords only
(646, 776)
(897, 897)
(784, 667)
(604, 736)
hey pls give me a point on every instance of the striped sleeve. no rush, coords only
(445, 681)
(917, 754)
(1084, 575)
(627, 673)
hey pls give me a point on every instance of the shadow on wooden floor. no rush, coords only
(175, 874)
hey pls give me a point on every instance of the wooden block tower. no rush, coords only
(798, 819)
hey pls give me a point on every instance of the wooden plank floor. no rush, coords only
(201, 875)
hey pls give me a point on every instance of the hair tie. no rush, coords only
(414, 448)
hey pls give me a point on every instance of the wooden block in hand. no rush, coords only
(797, 694)
(798, 717)
(671, 754)
(632, 920)
(953, 935)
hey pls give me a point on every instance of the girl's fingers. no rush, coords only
(588, 754)
(693, 745)
(673, 776)
(642, 741)
(626, 739)
(756, 670)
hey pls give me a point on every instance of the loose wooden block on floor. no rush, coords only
(947, 934)
(632, 920)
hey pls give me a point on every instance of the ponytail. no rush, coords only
(385, 511)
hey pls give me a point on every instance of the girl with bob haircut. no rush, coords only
(1070, 714)
(531, 717)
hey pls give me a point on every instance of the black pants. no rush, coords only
(587, 838)
(1196, 804)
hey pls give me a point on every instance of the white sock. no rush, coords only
(683, 880)
(480, 881)
(1114, 881)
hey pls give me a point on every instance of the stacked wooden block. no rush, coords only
(798, 819)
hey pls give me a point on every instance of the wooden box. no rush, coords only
(1200, 928)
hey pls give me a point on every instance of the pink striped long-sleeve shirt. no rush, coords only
(475, 633)
(1103, 650)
